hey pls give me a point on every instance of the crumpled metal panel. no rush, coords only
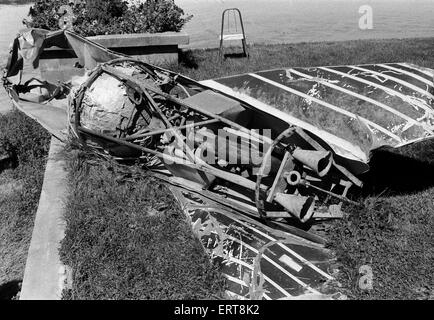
(354, 108)
(105, 105)
(287, 266)
(27, 59)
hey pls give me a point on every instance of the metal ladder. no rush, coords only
(230, 35)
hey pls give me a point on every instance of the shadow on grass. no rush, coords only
(405, 170)
(392, 236)
(187, 59)
(234, 55)
(10, 290)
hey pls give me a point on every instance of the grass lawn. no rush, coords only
(131, 241)
(20, 190)
(205, 64)
(393, 236)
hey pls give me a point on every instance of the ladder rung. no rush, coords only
(238, 36)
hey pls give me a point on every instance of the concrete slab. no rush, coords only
(141, 39)
(44, 276)
(155, 48)
(5, 102)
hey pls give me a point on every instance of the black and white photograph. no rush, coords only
(217, 155)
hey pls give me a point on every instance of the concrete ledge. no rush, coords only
(5, 101)
(44, 275)
(152, 48)
(148, 47)
(141, 39)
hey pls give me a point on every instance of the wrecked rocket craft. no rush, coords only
(130, 109)
(254, 160)
(284, 144)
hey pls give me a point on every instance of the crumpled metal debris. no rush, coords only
(130, 109)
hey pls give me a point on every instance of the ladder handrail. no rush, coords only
(244, 39)
(240, 17)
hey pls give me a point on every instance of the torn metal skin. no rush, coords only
(129, 109)
(277, 172)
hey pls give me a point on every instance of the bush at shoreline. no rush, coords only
(98, 17)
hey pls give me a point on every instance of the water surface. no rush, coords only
(279, 21)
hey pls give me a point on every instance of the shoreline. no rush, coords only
(285, 22)
(263, 44)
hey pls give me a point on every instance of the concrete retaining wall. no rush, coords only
(45, 277)
(152, 47)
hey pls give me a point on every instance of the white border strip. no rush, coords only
(379, 86)
(324, 81)
(415, 76)
(354, 152)
(411, 66)
(404, 83)
(328, 105)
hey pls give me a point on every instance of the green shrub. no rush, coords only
(158, 16)
(44, 14)
(95, 17)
